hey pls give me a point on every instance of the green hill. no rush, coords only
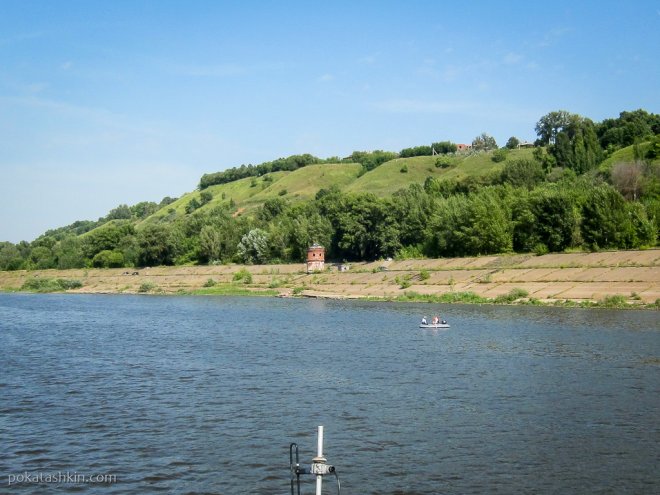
(304, 183)
(390, 176)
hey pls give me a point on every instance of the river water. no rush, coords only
(204, 395)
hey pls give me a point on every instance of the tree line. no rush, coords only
(555, 201)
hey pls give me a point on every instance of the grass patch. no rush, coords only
(244, 275)
(230, 290)
(448, 297)
(616, 301)
(50, 284)
(511, 296)
(146, 287)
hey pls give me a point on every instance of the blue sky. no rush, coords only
(111, 102)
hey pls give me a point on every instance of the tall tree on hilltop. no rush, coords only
(571, 140)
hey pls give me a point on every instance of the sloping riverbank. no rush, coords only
(621, 277)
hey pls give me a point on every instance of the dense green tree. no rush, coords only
(10, 257)
(471, 225)
(210, 244)
(143, 209)
(488, 229)
(571, 140)
(412, 208)
(605, 223)
(434, 187)
(366, 228)
(157, 245)
(305, 226)
(523, 173)
(444, 147)
(205, 197)
(41, 258)
(107, 237)
(550, 125)
(108, 259)
(556, 218)
(122, 212)
(69, 253)
(193, 205)
(512, 143)
(271, 209)
(484, 142)
(416, 151)
(253, 247)
(628, 128)
(372, 159)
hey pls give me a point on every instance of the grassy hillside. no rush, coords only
(624, 155)
(304, 183)
(388, 178)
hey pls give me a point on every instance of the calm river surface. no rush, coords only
(204, 395)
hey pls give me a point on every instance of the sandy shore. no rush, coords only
(578, 277)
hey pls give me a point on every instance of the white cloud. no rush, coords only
(326, 78)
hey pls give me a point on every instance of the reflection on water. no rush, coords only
(203, 395)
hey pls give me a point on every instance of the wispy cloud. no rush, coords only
(325, 78)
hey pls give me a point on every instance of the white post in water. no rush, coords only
(319, 456)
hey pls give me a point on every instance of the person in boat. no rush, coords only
(424, 320)
(435, 320)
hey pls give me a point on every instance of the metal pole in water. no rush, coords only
(319, 478)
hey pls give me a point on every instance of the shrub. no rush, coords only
(512, 296)
(499, 155)
(404, 169)
(424, 275)
(616, 301)
(540, 249)
(147, 287)
(66, 284)
(282, 192)
(210, 283)
(443, 162)
(409, 252)
(108, 259)
(244, 275)
(50, 284)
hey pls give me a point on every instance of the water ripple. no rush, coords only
(199, 396)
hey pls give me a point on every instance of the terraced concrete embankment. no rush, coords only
(634, 275)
